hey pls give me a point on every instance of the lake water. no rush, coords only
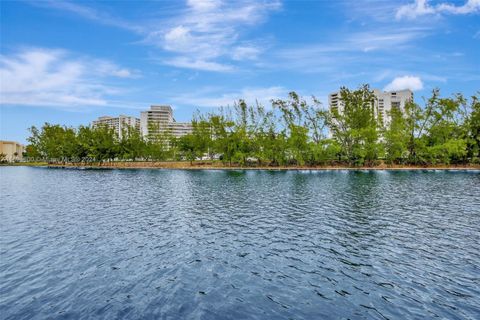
(165, 244)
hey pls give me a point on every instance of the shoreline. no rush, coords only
(180, 165)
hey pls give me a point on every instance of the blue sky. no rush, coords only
(70, 62)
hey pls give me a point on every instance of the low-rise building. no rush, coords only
(179, 129)
(11, 151)
(119, 124)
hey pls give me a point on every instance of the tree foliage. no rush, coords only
(292, 131)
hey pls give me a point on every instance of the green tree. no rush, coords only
(32, 153)
(355, 127)
(159, 144)
(473, 130)
(224, 142)
(132, 145)
(104, 144)
(437, 132)
(202, 136)
(188, 147)
(397, 138)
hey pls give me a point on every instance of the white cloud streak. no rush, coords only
(198, 64)
(421, 8)
(341, 53)
(90, 14)
(52, 77)
(251, 95)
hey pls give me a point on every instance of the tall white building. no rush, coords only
(159, 119)
(388, 100)
(119, 123)
(384, 102)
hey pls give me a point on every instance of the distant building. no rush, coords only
(119, 123)
(159, 119)
(179, 129)
(384, 102)
(13, 151)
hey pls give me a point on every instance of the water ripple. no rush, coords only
(160, 244)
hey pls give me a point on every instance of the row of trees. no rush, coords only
(96, 144)
(293, 131)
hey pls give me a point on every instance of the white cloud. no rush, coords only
(207, 98)
(178, 39)
(203, 5)
(208, 32)
(384, 39)
(46, 77)
(198, 64)
(413, 10)
(369, 11)
(405, 82)
(245, 53)
(107, 68)
(421, 8)
(471, 6)
(360, 41)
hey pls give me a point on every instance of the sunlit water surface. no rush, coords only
(161, 244)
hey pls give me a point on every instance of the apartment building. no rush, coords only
(119, 123)
(179, 129)
(11, 150)
(159, 119)
(388, 100)
(384, 102)
(335, 103)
